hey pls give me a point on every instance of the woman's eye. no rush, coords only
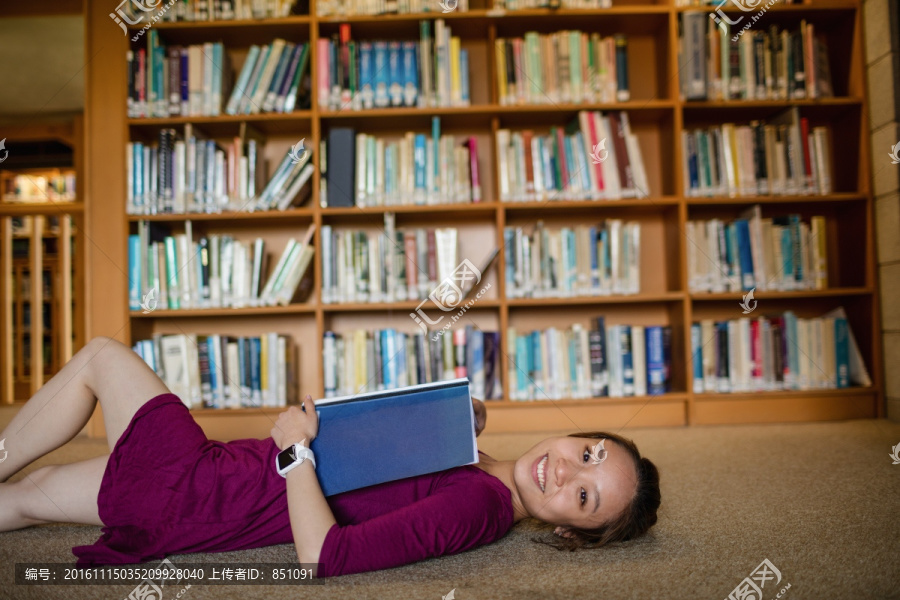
(586, 455)
(583, 496)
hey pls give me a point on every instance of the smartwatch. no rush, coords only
(293, 456)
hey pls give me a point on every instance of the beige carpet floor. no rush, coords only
(821, 501)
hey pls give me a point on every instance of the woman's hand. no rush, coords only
(296, 425)
(480, 415)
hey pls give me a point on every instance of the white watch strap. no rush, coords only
(301, 455)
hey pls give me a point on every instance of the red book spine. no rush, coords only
(142, 82)
(473, 169)
(804, 143)
(598, 167)
(529, 165)
(755, 351)
(432, 255)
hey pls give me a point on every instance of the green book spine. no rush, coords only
(172, 273)
(575, 65)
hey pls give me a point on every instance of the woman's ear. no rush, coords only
(564, 532)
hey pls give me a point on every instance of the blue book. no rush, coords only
(522, 368)
(787, 253)
(509, 236)
(464, 76)
(627, 360)
(134, 272)
(571, 268)
(381, 74)
(368, 439)
(410, 73)
(419, 159)
(745, 256)
(366, 74)
(656, 361)
(387, 354)
(215, 401)
(842, 352)
(535, 364)
(696, 356)
(400, 364)
(255, 374)
(436, 155)
(395, 74)
(475, 361)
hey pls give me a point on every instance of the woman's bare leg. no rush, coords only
(53, 494)
(104, 370)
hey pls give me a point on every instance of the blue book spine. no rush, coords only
(656, 361)
(570, 163)
(395, 74)
(571, 270)
(627, 360)
(522, 366)
(787, 252)
(595, 267)
(387, 358)
(476, 369)
(400, 350)
(381, 74)
(696, 356)
(419, 157)
(213, 372)
(185, 90)
(793, 355)
(138, 158)
(693, 174)
(464, 76)
(794, 221)
(547, 165)
(509, 236)
(842, 352)
(410, 73)
(748, 281)
(255, 374)
(366, 74)
(436, 155)
(535, 364)
(134, 272)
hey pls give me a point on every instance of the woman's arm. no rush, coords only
(310, 515)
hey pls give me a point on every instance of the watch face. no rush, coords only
(286, 458)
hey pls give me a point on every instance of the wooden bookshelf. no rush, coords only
(658, 116)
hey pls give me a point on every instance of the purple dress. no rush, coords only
(167, 489)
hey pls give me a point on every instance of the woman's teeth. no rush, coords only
(540, 472)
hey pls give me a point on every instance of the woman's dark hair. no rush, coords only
(635, 520)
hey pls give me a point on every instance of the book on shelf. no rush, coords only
(584, 260)
(412, 431)
(362, 361)
(562, 67)
(213, 10)
(166, 81)
(774, 353)
(274, 78)
(526, 4)
(738, 63)
(767, 254)
(367, 74)
(613, 361)
(52, 185)
(596, 157)
(215, 271)
(223, 371)
(781, 156)
(681, 3)
(347, 8)
(389, 265)
(415, 169)
(192, 173)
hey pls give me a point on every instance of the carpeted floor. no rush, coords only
(820, 501)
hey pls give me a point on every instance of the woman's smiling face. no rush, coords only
(575, 482)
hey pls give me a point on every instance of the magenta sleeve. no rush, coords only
(455, 519)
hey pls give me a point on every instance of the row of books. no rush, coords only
(346, 8)
(585, 260)
(361, 75)
(366, 361)
(386, 266)
(719, 2)
(175, 80)
(781, 254)
(209, 10)
(776, 352)
(222, 371)
(39, 188)
(780, 156)
(596, 157)
(194, 174)
(606, 360)
(566, 66)
(738, 63)
(526, 4)
(274, 78)
(415, 169)
(175, 272)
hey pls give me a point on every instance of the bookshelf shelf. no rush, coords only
(829, 293)
(226, 217)
(658, 117)
(225, 312)
(22, 209)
